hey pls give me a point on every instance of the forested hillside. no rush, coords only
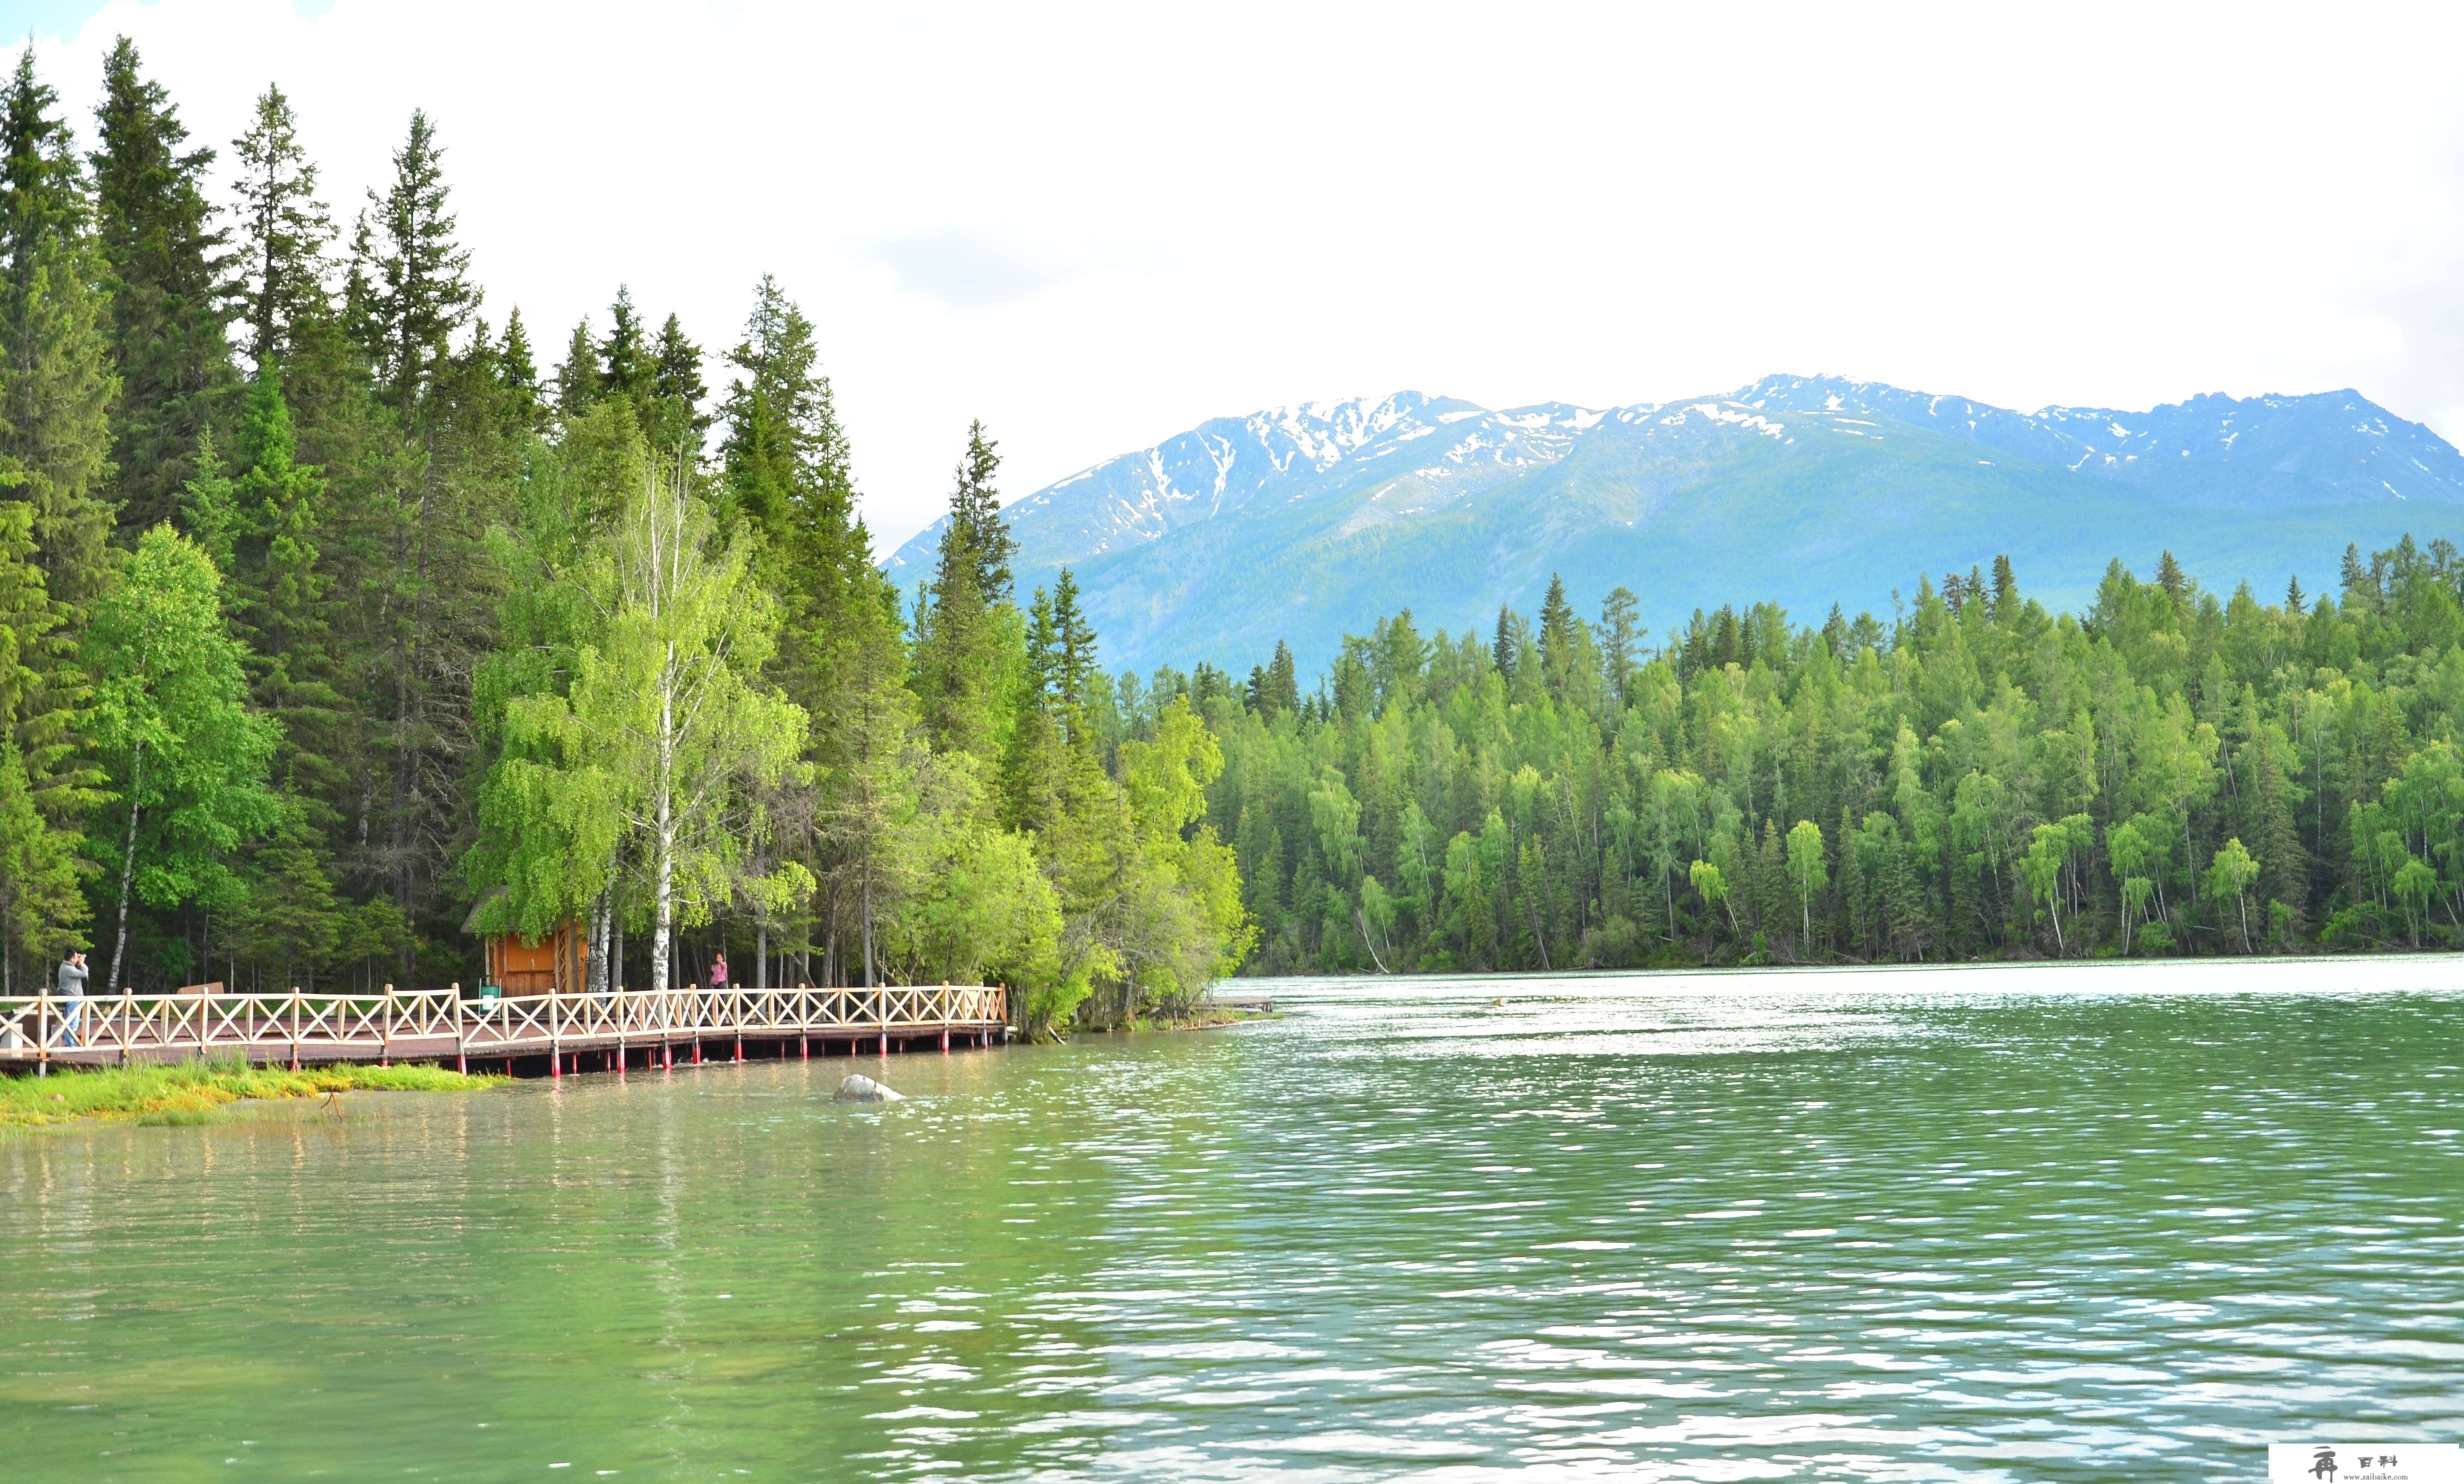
(2169, 773)
(326, 615)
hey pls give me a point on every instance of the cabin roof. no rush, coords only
(470, 922)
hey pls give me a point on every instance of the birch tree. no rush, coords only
(188, 759)
(666, 727)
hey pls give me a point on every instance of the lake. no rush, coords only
(2111, 1222)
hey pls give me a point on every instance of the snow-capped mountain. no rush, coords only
(1221, 467)
(2335, 446)
(1309, 521)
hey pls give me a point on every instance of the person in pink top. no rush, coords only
(718, 972)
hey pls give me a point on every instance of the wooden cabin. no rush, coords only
(560, 961)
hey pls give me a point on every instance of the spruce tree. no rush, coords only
(517, 373)
(168, 285)
(577, 378)
(625, 366)
(416, 291)
(2354, 577)
(45, 196)
(441, 470)
(677, 390)
(976, 536)
(1283, 681)
(43, 794)
(283, 231)
(968, 618)
(1074, 673)
(1621, 641)
(785, 455)
(2168, 576)
(1035, 765)
(787, 481)
(281, 597)
(57, 384)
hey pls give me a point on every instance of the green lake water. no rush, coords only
(1980, 1226)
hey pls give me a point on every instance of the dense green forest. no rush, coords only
(326, 616)
(2168, 773)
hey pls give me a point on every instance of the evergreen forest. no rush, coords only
(2170, 773)
(335, 631)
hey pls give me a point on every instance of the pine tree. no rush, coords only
(2294, 602)
(415, 288)
(168, 285)
(285, 231)
(2006, 590)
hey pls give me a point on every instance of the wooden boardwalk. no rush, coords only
(534, 1033)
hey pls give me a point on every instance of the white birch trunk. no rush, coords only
(128, 864)
(664, 868)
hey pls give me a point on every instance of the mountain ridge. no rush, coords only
(1311, 519)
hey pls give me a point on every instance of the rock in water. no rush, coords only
(864, 1089)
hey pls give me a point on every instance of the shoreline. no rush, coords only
(192, 1091)
(2366, 973)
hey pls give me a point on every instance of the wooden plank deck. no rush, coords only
(551, 1033)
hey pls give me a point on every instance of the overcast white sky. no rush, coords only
(1095, 227)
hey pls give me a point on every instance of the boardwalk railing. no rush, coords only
(441, 1025)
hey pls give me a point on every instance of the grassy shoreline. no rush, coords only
(189, 1092)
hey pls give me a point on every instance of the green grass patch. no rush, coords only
(189, 1092)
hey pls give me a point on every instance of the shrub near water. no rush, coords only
(187, 1091)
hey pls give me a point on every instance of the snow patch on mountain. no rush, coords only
(1378, 464)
